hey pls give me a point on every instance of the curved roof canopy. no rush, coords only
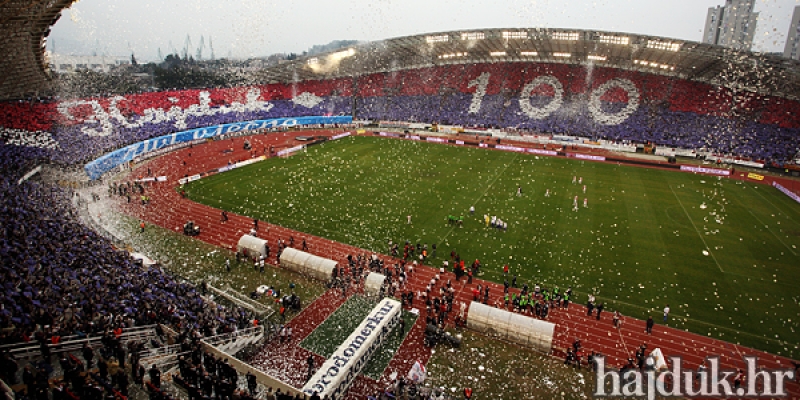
(25, 24)
(719, 66)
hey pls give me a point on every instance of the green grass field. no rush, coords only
(638, 246)
(330, 334)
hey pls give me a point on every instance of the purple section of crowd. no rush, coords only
(75, 146)
(61, 278)
(649, 122)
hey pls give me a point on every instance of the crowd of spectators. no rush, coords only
(668, 112)
(60, 278)
(205, 376)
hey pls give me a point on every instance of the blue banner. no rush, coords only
(107, 162)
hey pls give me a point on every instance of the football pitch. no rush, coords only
(722, 253)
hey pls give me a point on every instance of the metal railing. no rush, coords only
(76, 342)
(243, 301)
(254, 334)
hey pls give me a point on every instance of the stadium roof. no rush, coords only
(719, 66)
(25, 24)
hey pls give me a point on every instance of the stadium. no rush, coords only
(409, 217)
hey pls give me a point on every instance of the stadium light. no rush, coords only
(564, 36)
(615, 39)
(653, 64)
(472, 35)
(659, 45)
(562, 55)
(453, 55)
(515, 35)
(437, 38)
(529, 53)
(498, 54)
(341, 54)
(596, 57)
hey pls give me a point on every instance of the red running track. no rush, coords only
(288, 361)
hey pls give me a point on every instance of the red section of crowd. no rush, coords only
(508, 78)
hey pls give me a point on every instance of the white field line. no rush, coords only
(695, 229)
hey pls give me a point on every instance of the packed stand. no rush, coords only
(62, 279)
(666, 111)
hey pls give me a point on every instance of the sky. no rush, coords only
(254, 28)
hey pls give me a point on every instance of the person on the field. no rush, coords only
(649, 327)
(519, 190)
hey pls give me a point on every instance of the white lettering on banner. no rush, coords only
(165, 150)
(786, 191)
(436, 139)
(543, 152)
(702, 170)
(459, 142)
(545, 111)
(482, 82)
(337, 373)
(414, 137)
(105, 163)
(483, 145)
(154, 116)
(509, 148)
(586, 157)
